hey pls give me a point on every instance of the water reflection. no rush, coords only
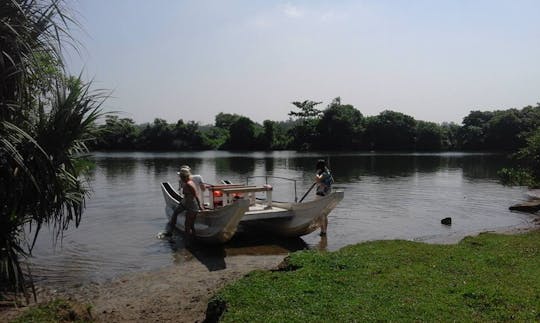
(241, 165)
(118, 167)
(269, 165)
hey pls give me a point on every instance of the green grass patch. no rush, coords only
(58, 310)
(485, 278)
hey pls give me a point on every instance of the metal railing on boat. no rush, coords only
(266, 177)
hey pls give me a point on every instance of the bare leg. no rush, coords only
(324, 225)
(189, 224)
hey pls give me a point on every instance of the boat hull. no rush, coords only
(303, 218)
(214, 226)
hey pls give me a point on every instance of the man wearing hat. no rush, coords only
(190, 188)
(197, 179)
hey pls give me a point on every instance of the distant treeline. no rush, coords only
(337, 127)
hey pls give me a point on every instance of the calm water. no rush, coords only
(387, 196)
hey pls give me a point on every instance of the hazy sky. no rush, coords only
(433, 60)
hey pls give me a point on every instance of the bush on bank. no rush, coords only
(485, 278)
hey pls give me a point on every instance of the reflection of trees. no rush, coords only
(164, 167)
(350, 168)
(194, 163)
(158, 166)
(269, 165)
(483, 166)
(235, 165)
(428, 164)
(303, 163)
(117, 167)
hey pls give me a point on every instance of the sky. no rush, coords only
(190, 60)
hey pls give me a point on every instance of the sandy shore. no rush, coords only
(178, 293)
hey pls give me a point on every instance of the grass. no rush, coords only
(58, 310)
(485, 278)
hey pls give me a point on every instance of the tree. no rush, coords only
(503, 131)
(117, 134)
(473, 132)
(529, 156)
(429, 136)
(304, 132)
(225, 120)
(527, 170)
(391, 130)
(156, 136)
(187, 136)
(341, 127)
(450, 136)
(46, 118)
(215, 137)
(242, 134)
(307, 110)
(267, 140)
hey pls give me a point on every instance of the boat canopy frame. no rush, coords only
(278, 177)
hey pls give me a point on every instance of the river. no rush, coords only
(387, 196)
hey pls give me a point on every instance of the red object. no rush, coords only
(217, 195)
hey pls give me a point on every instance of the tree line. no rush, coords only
(336, 127)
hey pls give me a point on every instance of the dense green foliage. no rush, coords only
(337, 127)
(45, 119)
(488, 278)
(527, 171)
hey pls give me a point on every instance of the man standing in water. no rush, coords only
(324, 181)
(190, 202)
(199, 187)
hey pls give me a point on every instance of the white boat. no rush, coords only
(234, 204)
(212, 226)
(295, 219)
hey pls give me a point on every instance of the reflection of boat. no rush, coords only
(234, 204)
(218, 225)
